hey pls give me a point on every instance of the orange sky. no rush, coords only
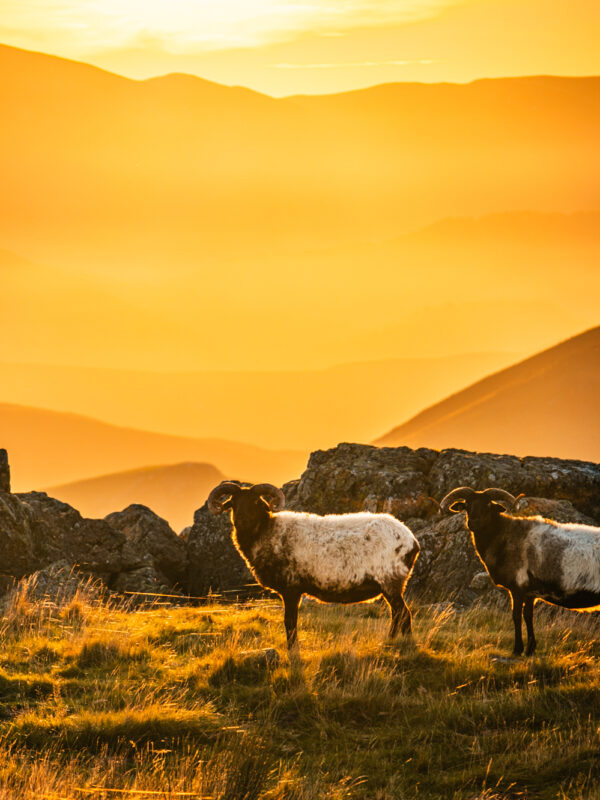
(176, 225)
(317, 45)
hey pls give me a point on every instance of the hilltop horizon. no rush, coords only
(360, 87)
(545, 405)
(316, 47)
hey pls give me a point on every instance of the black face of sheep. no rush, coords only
(344, 558)
(532, 557)
(251, 506)
(483, 510)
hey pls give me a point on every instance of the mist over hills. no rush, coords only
(546, 405)
(417, 295)
(301, 410)
(200, 226)
(174, 491)
(172, 165)
(48, 448)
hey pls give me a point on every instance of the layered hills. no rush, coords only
(413, 296)
(545, 405)
(199, 160)
(303, 409)
(200, 226)
(48, 448)
(180, 162)
(173, 492)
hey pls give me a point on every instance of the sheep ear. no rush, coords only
(457, 506)
(499, 506)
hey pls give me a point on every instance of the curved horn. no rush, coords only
(504, 498)
(218, 497)
(274, 497)
(462, 493)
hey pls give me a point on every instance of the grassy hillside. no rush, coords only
(185, 702)
(174, 492)
(545, 405)
(47, 448)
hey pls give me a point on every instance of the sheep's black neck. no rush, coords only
(248, 527)
(484, 530)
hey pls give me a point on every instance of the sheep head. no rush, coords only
(229, 495)
(477, 503)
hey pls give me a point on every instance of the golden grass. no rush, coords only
(103, 701)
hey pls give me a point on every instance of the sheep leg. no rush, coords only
(291, 601)
(401, 617)
(528, 614)
(517, 615)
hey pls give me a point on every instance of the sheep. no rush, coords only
(345, 558)
(532, 557)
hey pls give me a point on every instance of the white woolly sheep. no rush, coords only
(339, 558)
(534, 558)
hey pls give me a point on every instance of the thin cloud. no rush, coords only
(203, 25)
(347, 64)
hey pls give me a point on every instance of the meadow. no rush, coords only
(100, 699)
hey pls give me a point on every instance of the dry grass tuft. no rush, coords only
(100, 700)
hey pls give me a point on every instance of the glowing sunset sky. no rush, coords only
(313, 45)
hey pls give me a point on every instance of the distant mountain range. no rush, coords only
(190, 214)
(413, 296)
(174, 492)
(299, 410)
(47, 448)
(171, 166)
(546, 405)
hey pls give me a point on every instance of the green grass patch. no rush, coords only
(205, 701)
(129, 728)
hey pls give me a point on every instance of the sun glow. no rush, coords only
(200, 25)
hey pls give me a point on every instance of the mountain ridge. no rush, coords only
(357, 91)
(544, 405)
(48, 448)
(173, 491)
(114, 139)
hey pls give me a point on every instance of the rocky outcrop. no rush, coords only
(447, 561)
(37, 531)
(58, 531)
(164, 552)
(18, 555)
(4, 472)
(559, 510)
(355, 477)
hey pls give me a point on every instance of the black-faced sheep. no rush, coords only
(345, 558)
(532, 557)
